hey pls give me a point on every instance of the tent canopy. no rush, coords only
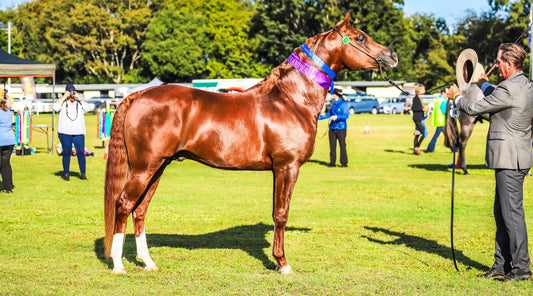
(13, 66)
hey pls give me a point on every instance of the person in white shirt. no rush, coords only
(71, 129)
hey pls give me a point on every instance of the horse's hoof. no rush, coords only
(120, 270)
(287, 269)
(151, 268)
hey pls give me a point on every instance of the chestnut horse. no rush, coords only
(271, 126)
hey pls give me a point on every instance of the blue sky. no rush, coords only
(10, 3)
(451, 10)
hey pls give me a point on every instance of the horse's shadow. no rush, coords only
(249, 238)
(424, 245)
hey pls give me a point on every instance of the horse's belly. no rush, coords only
(235, 160)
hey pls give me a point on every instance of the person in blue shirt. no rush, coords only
(337, 114)
(7, 141)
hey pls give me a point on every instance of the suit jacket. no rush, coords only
(510, 107)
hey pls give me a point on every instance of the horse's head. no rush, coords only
(358, 50)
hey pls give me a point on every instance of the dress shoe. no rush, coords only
(331, 165)
(493, 272)
(8, 191)
(517, 275)
(83, 177)
(65, 177)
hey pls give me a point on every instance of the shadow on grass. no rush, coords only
(71, 174)
(320, 162)
(424, 245)
(443, 167)
(399, 151)
(249, 238)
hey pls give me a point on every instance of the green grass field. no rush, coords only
(380, 226)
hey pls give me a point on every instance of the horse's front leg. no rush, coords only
(284, 181)
(461, 160)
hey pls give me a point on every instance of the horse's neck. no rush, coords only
(287, 84)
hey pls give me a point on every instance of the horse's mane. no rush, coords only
(284, 68)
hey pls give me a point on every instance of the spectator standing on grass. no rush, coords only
(7, 142)
(438, 118)
(418, 110)
(337, 114)
(71, 129)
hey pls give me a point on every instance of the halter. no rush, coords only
(378, 60)
(319, 77)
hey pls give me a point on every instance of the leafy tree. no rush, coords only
(280, 26)
(199, 39)
(92, 41)
(429, 57)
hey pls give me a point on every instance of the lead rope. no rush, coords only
(454, 113)
(384, 76)
(452, 206)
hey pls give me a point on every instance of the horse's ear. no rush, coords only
(345, 22)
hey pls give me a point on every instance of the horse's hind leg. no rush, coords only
(138, 220)
(134, 188)
(284, 181)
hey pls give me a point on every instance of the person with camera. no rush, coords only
(71, 129)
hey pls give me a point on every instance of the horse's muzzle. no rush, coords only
(388, 60)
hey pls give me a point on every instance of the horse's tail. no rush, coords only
(116, 171)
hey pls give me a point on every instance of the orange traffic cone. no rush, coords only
(367, 129)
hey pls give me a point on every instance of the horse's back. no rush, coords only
(220, 130)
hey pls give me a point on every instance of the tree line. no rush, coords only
(133, 41)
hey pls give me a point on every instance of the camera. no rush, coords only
(72, 93)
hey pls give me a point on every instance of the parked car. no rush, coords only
(392, 105)
(362, 103)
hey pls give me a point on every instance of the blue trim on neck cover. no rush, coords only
(320, 63)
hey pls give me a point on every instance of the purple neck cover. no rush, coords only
(309, 71)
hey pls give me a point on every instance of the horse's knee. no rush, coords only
(280, 218)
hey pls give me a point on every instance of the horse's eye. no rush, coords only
(361, 38)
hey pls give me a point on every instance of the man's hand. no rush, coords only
(333, 117)
(453, 92)
(484, 78)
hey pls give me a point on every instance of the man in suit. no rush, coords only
(509, 153)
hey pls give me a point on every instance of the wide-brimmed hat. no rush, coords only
(468, 69)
